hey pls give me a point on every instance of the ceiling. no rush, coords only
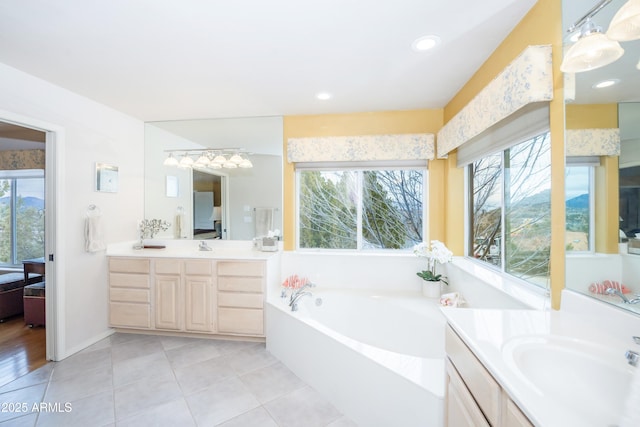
(174, 60)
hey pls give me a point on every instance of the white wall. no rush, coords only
(92, 133)
(254, 188)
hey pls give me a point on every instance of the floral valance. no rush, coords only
(593, 142)
(361, 148)
(527, 79)
(22, 159)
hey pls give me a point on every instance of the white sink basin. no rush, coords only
(587, 378)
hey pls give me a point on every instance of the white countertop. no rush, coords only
(241, 250)
(490, 334)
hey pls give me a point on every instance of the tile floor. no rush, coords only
(143, 380)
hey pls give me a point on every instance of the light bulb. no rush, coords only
(170, 161)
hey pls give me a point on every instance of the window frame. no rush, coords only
(361, 167)
(468, 209)
(592, 210)
(14, 176)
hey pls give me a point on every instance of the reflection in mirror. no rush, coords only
(215, 203)
(603, 186)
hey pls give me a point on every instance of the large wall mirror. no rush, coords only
(602, 109)
(203, 202)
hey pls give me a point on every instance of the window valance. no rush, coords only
(526, 80)
(593, 142)
(22, 159)
(364, 148)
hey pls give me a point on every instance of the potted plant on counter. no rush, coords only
(436, 253)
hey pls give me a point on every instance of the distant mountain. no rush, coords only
(579, 202)
(28, 202)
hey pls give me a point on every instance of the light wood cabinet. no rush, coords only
(474, 397)
(188, 295)
(241, 297)
(129, 293)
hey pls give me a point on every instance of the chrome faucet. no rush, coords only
(612, 291)
(204, 247)
(633, 356)
(299, 293)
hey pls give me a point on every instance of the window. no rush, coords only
(510, 205)
(360, 209)
(579, 208)
(21, 216)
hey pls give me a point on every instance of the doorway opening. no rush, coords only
(210, 205)
(22, 250)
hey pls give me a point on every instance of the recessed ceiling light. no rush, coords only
(323, 96)
(424, 43)
(605, 83)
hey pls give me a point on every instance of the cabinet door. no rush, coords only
(168, 302)
(198, 305)
(512, 416)
(461, 408)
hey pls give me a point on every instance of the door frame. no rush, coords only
(54, 188)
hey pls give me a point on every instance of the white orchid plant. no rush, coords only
(436, 253)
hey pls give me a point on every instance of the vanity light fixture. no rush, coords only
(424, 43)
(229, 158)
(594, 49)
(203, 160)
(170, 161)
(186, 161)
(606, 83)
(625, 25)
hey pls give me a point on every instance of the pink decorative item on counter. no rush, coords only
(601, 288)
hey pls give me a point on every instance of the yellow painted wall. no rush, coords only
(591, 116)
(541, 26)
(374, 123)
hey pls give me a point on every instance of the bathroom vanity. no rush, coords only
(186, 291)
(530, 367)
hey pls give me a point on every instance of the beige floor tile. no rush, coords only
(20, 402)
(39, 376)
(82, 362)
(258, 417)
(194, 352)
(203, 375)
(304, 407)
(251, 358)
(170, 414)
(79, 386)
(96, 410)
(271, 382)
(144, 394)
(24, 421)
(153, 365)
(225, 400)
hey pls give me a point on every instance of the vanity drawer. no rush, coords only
(168, 266)
(240, 284)
(241, 321)
(478, 380)
(239, 300)
(129, 265)
(130, 315)
(124, 280)
(130, 295)
(198, 268)
(240, 268)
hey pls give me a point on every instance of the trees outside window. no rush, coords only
(360, 209)
(21, 218)
(510, 201)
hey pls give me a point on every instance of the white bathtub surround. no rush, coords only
(485, 287)
(378, 356)
(350, 270)
(562, 367)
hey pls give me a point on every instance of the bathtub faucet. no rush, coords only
(299, 293)
(612, 291)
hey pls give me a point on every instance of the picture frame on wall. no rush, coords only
(106, 178)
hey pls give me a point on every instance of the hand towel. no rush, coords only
(93, 236)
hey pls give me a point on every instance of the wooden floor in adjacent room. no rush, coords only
(22, 349)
